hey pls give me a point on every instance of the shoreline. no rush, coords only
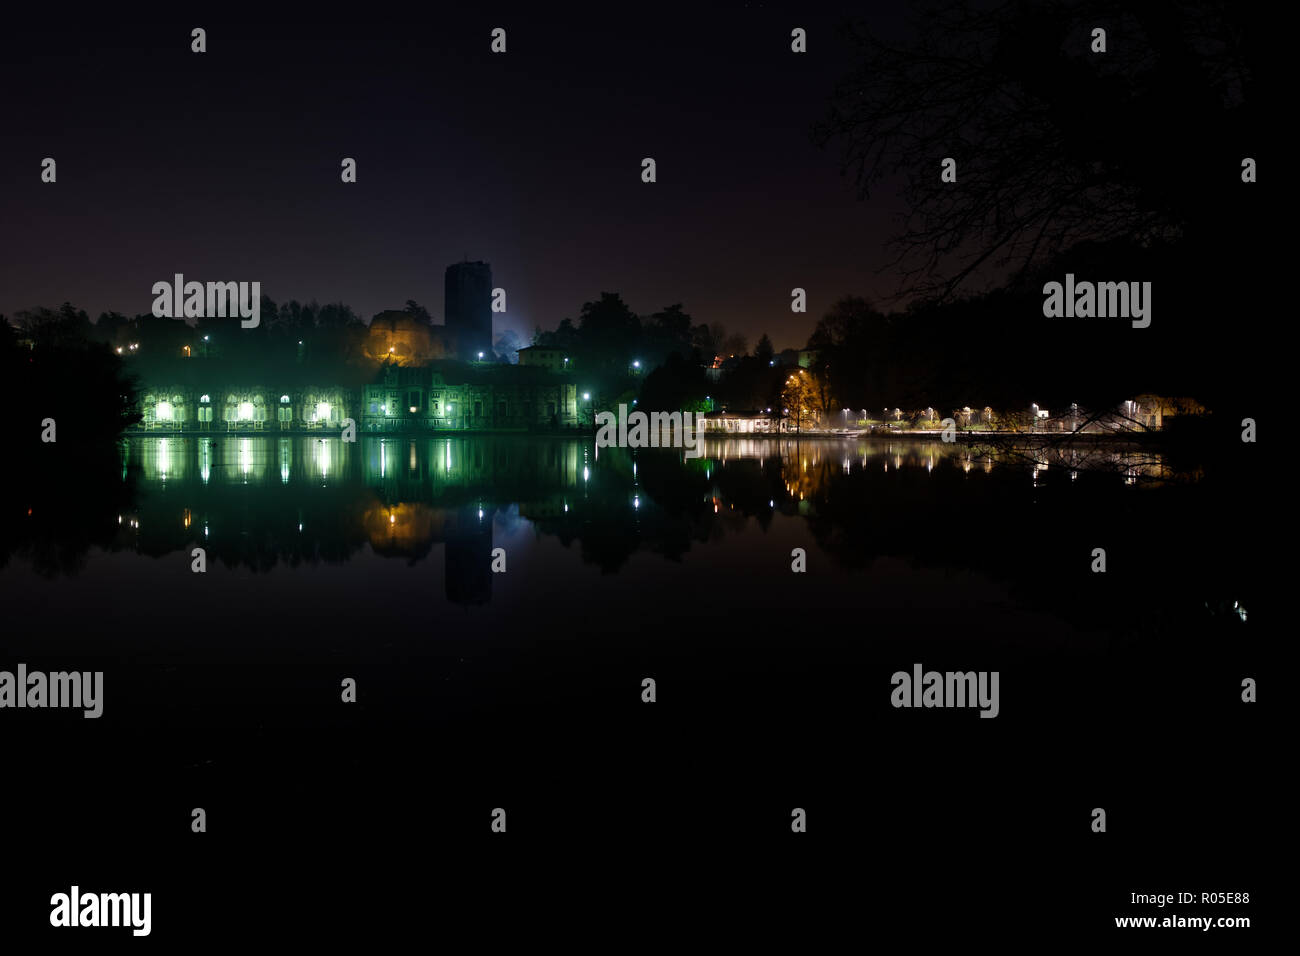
(967, 437)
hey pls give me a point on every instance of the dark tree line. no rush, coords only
(52, 366)
(1119, 165)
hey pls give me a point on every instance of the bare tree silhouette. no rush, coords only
(1055, 144)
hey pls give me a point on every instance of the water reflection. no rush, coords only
(263, 502)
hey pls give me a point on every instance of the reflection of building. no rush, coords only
(165, 459)
(462, 467)
(467, 556)
(411, 529)
(256, 499)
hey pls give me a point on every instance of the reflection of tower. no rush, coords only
(468, 306)
(467, 572)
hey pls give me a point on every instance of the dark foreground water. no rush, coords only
(522, 689)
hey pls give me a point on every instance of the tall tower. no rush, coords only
(468, 307)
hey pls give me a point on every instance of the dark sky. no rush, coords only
(225, 165)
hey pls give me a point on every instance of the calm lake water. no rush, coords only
(315, 544)
(375, 560)
(476, 689)
(270, 504)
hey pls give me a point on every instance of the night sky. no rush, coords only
(226, 165)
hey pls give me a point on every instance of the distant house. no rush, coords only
(554, 360)
(1152, 410)
(786, 357)
(740, 423)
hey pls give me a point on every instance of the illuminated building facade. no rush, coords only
(444, 396)
(453, 396)
(250, 408)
